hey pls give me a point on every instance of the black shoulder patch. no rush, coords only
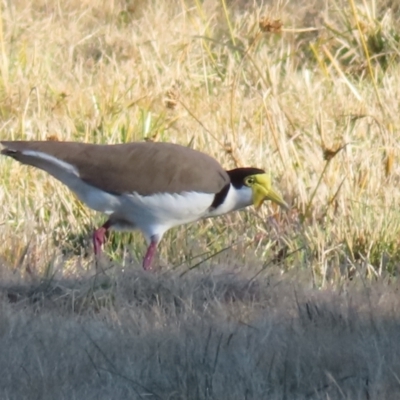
(220, 197)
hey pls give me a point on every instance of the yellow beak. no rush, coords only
(263, 190)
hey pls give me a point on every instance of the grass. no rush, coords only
(311, 101)
(202, 336)
(306, 90)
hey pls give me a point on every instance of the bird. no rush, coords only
(146, 186)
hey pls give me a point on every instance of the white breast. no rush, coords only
(155, 214)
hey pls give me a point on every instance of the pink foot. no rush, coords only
(148, 258)
(99, 237)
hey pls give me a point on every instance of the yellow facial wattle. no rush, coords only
(262, 189)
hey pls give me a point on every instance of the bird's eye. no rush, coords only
(250, 181)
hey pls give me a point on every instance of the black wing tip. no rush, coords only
(9, 153)
(6, 151)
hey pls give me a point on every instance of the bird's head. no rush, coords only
(261, 187)
(260, 184)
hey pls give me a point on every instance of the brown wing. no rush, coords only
(144, 168)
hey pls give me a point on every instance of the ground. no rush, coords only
(201, 336)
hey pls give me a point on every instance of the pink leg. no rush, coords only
(99, 237)
(148, 258)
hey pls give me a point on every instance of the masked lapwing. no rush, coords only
(148, 186)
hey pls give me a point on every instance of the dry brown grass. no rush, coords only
(306, 90)
(313, 100)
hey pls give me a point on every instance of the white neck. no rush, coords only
(235, 200)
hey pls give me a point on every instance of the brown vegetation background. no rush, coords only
(268, 305)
